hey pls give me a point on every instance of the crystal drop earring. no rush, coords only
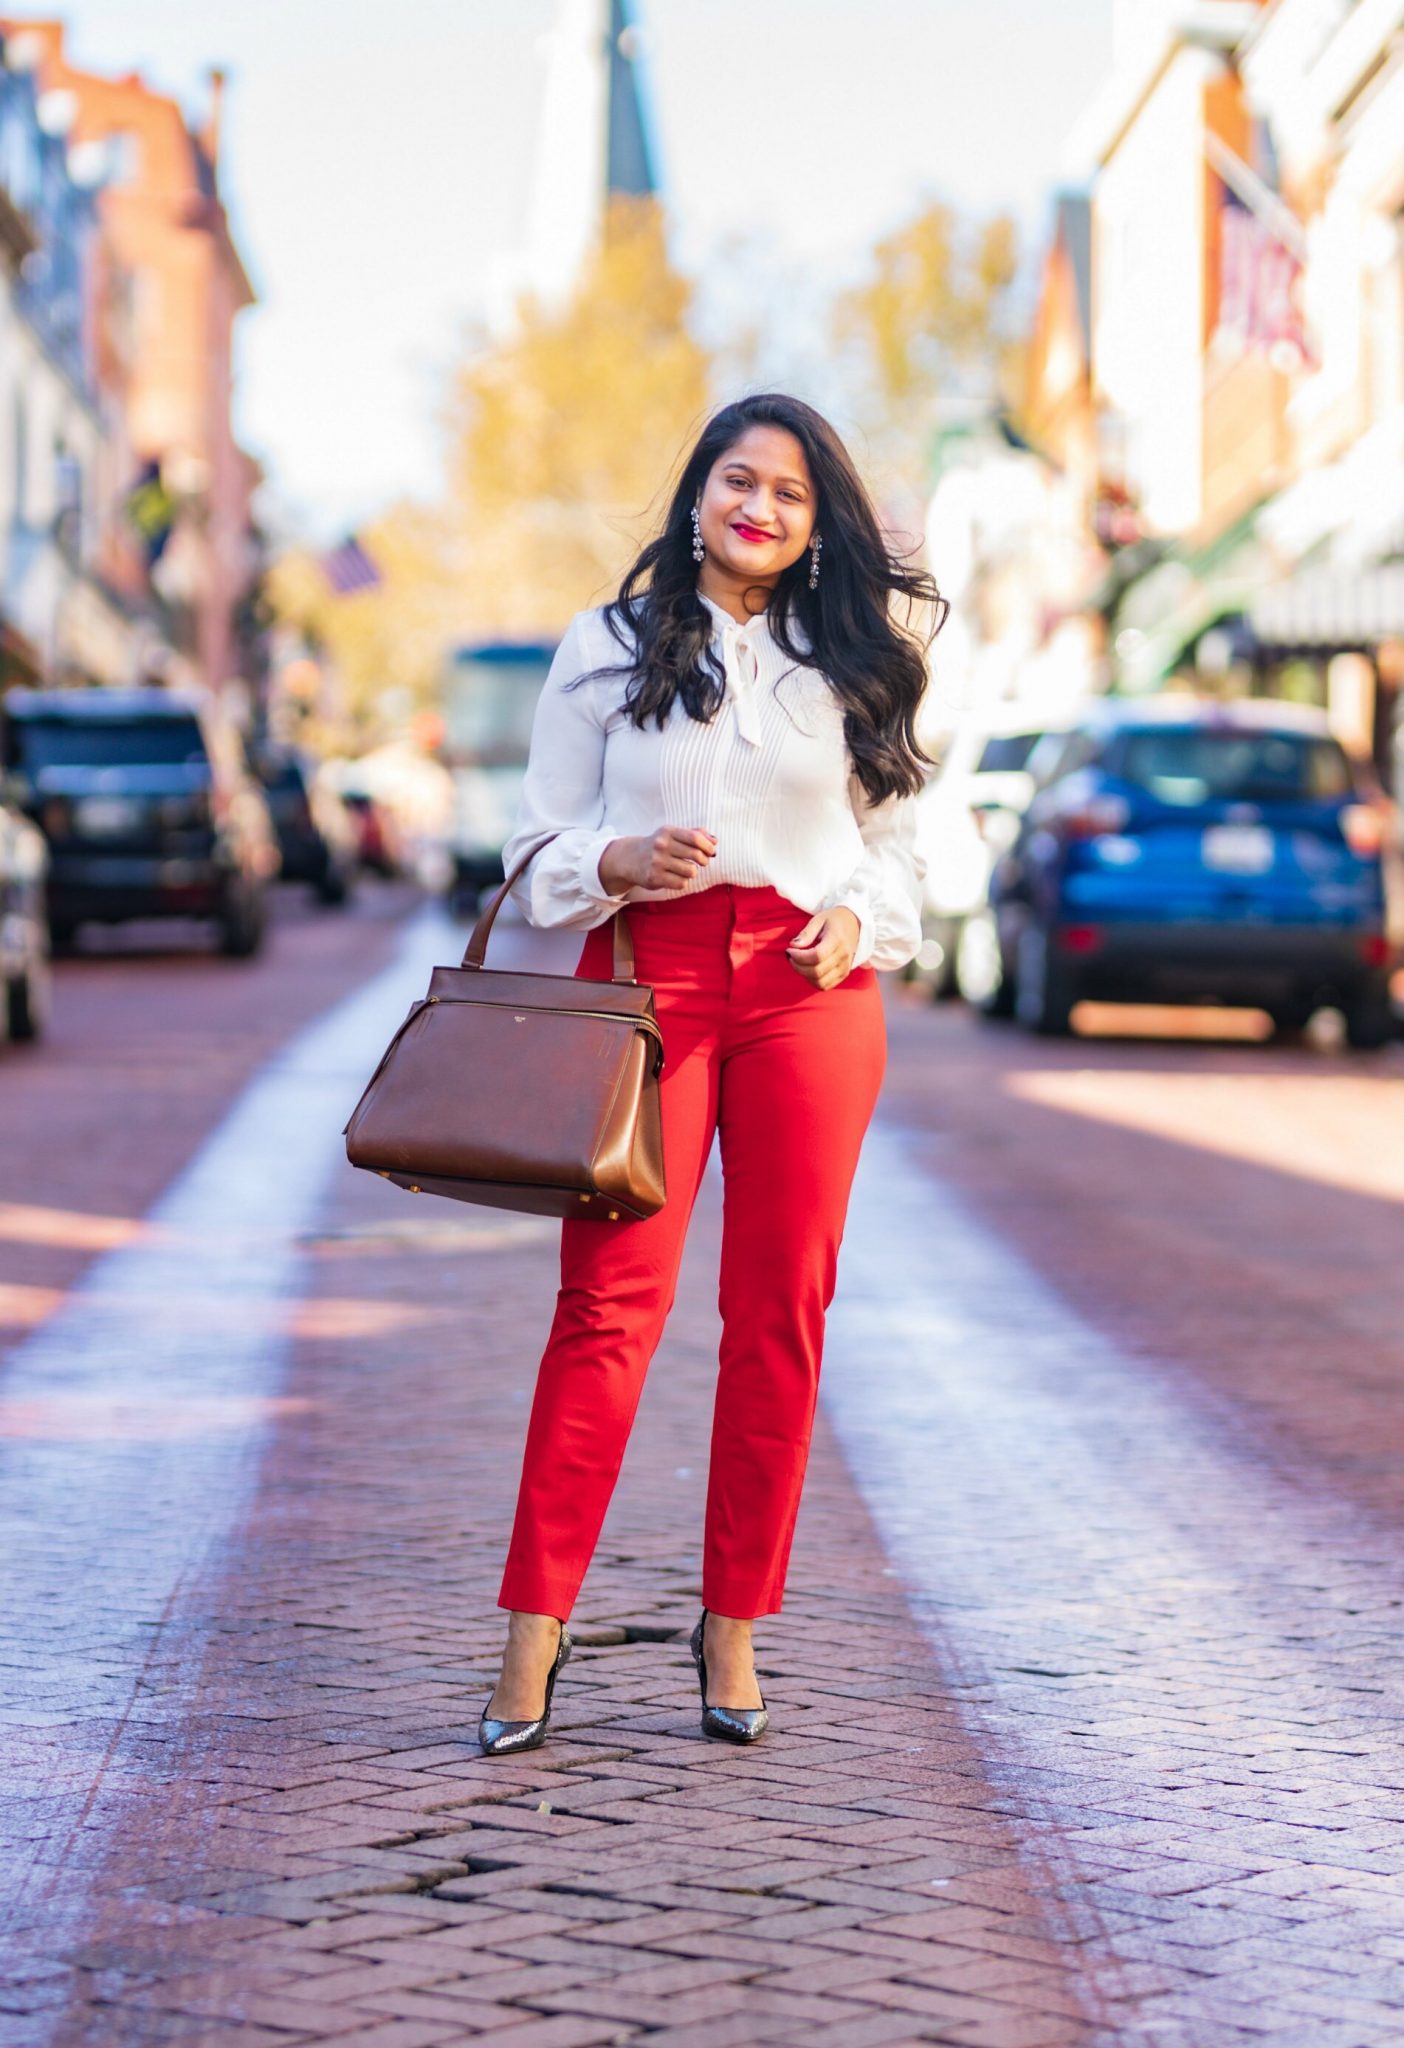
(698, 550)
(814, 547)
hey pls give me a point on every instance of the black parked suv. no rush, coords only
(148, 806)
(24, 924)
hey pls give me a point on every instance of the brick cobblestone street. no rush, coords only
(1086, 1698)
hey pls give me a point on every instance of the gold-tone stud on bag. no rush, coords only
(521, 1091)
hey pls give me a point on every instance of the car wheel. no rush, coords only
(979, 967)
(944, 985)
(1047, 990)
(1290, 1020)
(241, 924)
(27, 1003)
(1370, 1023)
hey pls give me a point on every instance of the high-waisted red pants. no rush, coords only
(788, 1074)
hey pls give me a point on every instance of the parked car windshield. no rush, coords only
(139, 742)
(1195, 766)
(1007, 753)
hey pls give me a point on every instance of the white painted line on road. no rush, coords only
(1181, 1665)
(141, 1407)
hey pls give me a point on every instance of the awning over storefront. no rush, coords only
(1331, 608)
(1351, 511)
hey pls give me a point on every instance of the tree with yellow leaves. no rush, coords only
(932, 315)
(564, 434)
(560, 439)
(384, 644)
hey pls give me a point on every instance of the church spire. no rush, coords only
(594, 143)
(629, 165)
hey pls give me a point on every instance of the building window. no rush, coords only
(68, 500)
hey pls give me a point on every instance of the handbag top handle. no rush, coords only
(476, 953)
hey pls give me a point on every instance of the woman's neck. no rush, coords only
(737, 598)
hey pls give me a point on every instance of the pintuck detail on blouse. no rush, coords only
(770, 775)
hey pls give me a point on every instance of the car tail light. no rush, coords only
(1096, 816)
(1080, 938)
(1376, 951)
(1363, 829)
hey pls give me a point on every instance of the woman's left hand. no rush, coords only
(823, 952)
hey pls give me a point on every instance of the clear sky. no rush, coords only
(377, 163)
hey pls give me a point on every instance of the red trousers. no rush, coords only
(788, 1075)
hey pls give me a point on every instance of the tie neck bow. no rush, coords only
(742, 669)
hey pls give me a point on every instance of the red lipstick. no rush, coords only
(752, 533)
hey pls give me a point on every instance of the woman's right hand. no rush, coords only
(668, 859)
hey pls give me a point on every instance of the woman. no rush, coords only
(729, 749)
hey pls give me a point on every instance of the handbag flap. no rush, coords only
(553, 991)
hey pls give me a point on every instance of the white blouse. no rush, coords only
(770, 775)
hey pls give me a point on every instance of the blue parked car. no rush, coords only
(1182, 852)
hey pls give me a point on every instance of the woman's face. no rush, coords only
(758, 506)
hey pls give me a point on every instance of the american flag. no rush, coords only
(1258, 277)
(348, 568)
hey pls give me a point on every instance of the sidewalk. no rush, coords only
(322, 1855)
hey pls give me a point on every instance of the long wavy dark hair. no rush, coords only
(846, 627)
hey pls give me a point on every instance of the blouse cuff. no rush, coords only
(591, 885)
(857, 901)
(564, 882)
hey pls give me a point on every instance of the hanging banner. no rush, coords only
(1258, 285)
(150, 510)
(350, 568)
(1262, 247)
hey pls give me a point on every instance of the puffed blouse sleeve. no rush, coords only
(884, 891)
(563, 793)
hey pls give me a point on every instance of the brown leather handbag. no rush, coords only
(520, 1090)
